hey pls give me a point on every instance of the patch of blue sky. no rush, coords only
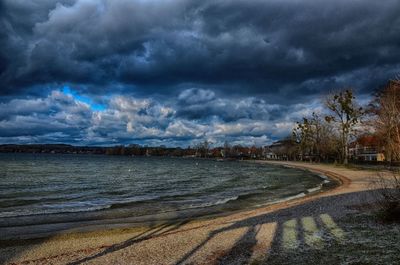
(96, 107)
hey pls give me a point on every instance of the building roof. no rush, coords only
(367, 140)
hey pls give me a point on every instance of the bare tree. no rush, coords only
(315, 138)
(329, 146)
(227, 149)
(203, 148)
(303, 135)
(386, 108)
(346, 115)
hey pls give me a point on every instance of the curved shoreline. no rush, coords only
(96, 217)
(90, 226)
(342, 183)
(183, 240)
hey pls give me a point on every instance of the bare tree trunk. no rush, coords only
(346, 155)
(344, 148)
(388, 122)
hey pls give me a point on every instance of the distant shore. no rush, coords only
(201, 241)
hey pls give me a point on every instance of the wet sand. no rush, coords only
(239, 238)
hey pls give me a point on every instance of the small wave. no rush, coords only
(287, 166)
(45, 212)
(323, 177)
(300, 195)
(249, 195)
(134, 201)
(218, 202)
(314, 189)
(273, 187)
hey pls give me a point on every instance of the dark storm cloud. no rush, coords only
(245, 46)
(178, 71)
(57, 113)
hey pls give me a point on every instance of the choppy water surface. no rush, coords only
(140, 186)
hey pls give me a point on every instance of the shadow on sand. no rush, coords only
(15, 247)
(310, 225)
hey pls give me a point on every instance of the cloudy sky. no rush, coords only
(175, 72)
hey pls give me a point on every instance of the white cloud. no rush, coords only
(61, 117)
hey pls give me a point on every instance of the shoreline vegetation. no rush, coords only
(258, 236)
(239, 153)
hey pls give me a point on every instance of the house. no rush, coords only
(366, 148)
(281, 150)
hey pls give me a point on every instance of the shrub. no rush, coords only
(387, 189)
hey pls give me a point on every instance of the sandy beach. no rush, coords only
(245, 237)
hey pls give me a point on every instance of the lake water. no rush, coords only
(99, 186)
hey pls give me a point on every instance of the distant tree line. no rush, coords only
(203, 150)
(51, 148)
